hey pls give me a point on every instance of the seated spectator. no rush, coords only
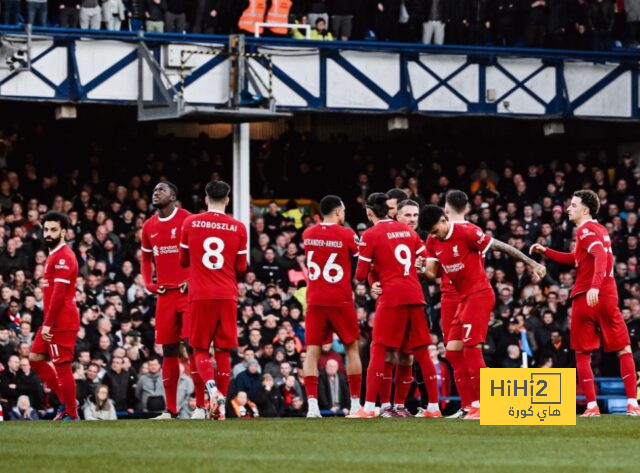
(150, 390)
(99, 406)
(23, 410)
(333, 390)
(295, 408)
(120, 386)
(513, 359)
(249, 379)
(268, 398)
(242, 407)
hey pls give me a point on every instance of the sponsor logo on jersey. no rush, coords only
(165, 250)
(62, 264)
(453, 268)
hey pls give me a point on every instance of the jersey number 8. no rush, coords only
(212, 257)
(331, 272)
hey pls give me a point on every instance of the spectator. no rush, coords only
(433, 27)
(155, 12)
(113, 14)
(249, 380)
(10, 387)
(23, 410)
(90, 14)
(341, 12)
(295, 408)
(150, 390)
(31, 385)
(505, 19)
(120, 386)
(185, 392)
(333, 391)
(99, 406)
(268, 398)
(68, 11)
(601, 23)
(242, 407)
(175, 18)
(37, 12)
(317, 9)
(479, 17)
(10, 12)
(513, 359)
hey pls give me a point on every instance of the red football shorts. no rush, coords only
(322, 321)
(470, 323)
(172, 317)
(588, 324)
(402, 327)
(213, 321)
(60, 349)
(448, 309)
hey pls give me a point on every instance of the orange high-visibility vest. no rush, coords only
(279, 13)
(252, 15)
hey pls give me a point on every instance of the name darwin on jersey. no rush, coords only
(214, 225)
(325, 243)
(392, 235)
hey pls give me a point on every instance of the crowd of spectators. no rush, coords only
(563, 24)
(106, 193)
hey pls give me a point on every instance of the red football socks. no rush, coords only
(47, 373)
(311, 385)
(461, 376)
(170, 376)
(67, 388)
(585, 375)
(203, 362)
(428, 373)
(375, 373)
(404, 378)
(474, 361)
(387, 382)
(223, 371)
(355, 385)
(198, 384)
(628, 373)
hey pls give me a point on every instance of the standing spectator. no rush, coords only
(154, 12)
(317, 9)
(249, 380)
(559, 23)
(479, 21)
(135, 14)
(68, 11)
(580, 37)
(534, 18)
(341, 12)
(100, 407)
(175, 18)
(505, 20)
(632, 9)
(12, 259)
(90, 14)
(333, 391)
(119, 383)
(386, 19)
(10, 16)
(273, 220)
(601, 23)
(37, 12)
(150, 390)
(23, 410)
(433, 26)
(457, 23)
(113, 16)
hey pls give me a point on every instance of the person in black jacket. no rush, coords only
(120, 386)
(457, 21)
(479, 21)
(601, 19)
(534, 18)
(559, 23)
(333, 390)
(505, 18)
(268, 398)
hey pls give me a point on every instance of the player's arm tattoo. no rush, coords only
(512, 252)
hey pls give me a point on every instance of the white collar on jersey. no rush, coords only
(327, 223)
(57, 248)
(166, 219)
(216, 211)
(386, 220)
(590, 220)
(450, 232)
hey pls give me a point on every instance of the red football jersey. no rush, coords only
(392, 247)
(214, 241)
(329, 248)
(61, 267)
(161, 237)
(461, 256)
(589, 236)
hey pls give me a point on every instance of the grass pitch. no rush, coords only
(319, 445)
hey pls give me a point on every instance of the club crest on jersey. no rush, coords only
(173, 233)
(456, 253)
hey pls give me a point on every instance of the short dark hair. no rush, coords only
(217, 190)
(397, 194)
(329, 203)
(59, 217)
(377, 202)
(457, 200)
(407, 203)
(429, 216)
(172, 187)
(589, 199)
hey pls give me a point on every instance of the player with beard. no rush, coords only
(53, 348)
(160, 248)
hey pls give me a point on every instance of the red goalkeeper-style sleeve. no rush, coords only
(568, 259)
(56, 305)
(599, 266)
(184, 257)
(362, 270)
(146, 269)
